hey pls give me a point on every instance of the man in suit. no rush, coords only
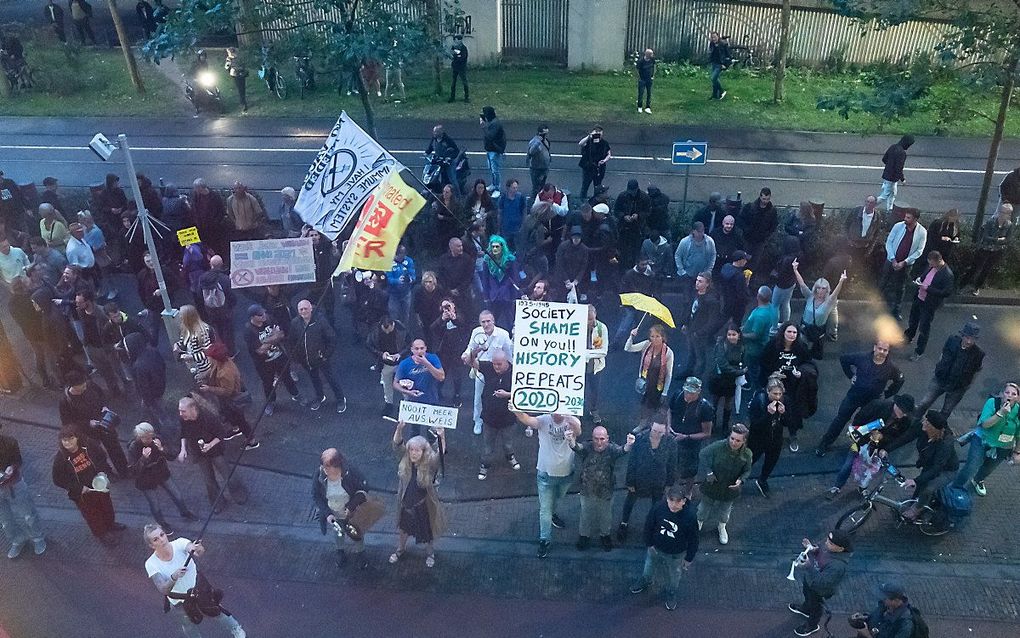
(932, 289)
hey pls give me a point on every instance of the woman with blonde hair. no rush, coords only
(420, 513)
(655, 372)
(196, 337)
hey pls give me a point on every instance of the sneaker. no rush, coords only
(543, 549)
(15, 550)
(514, 463)
(671, 600)
(607, 543)
(482, 473)
(387, 409)
(723, 95)
(238, 632)
(979, 487)
(557, 522)
(763, 487)
(39, 546)
(341, 405)
(806, 629)
(478, 428)
(638, 587)
(297, 399)
(648, 110)
(317, 403)
(236, 432)
(639, 110)
(915, 357)
(795, 608)
(430, 561)
(832, 493)
(794, 444)
(621, 533)
(252, 445)
(583, 542)
(723, 536)
(975, 292)
(269, 409)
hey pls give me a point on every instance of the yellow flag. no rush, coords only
(391, 207)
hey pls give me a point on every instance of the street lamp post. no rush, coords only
(169, 312)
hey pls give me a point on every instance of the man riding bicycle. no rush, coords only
(936, 460)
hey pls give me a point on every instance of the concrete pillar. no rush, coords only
(596, 34)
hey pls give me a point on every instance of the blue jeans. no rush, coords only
(18, 517)
(781, 302)
(672, 564)
(717, 89)
(843, 475)
(495, 168)
(888, 193)
(550, 490)
(644, 90)
(979, 465)
(399, 306)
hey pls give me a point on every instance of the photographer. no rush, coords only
(893, 617)
(824, 568)
(83, 407)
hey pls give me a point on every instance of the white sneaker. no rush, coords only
(700, 525)
(478, 428)
(648, 110)
(238, 632)
(639, 109)
(723, 536)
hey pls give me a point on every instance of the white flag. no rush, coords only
(345, 172)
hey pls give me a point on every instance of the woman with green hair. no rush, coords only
(499, 281)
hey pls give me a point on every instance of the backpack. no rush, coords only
(214, 297)
(956, 501)
(920, 626)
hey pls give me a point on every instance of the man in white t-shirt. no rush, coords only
(555, 468)
(166, 568)
(485, 340)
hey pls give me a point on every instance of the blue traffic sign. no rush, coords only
(690, 153)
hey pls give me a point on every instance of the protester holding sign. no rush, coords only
(419, 511)
(418, 377)
(550, 357)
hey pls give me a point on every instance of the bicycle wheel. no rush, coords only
(933, 523)
(852, 520)
(280, 87)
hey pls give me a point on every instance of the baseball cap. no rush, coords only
(575, 230)
(601, 209)
(971, 329)
(905, 402)
(738, 255)
(692, 384)
(892, 589)
(841, 538)
(255, 310)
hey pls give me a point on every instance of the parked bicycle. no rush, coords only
(305, 74)
(747, 56)
(932, 521)
(274, 80)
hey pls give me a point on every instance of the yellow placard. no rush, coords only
(188, 236)
(386, 214)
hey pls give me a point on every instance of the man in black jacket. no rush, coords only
(897, 430)
(646, 73)
(758, 221)
(712, 214)
(728, 240)
(892, 176)
(83, 406)
(631, 211)
(311, 344)
(671, 536)
(932, 289)
(446, 151)
(823, 571)
(458, 64)
(700, 321)
(494, 140)
(333, 505)
(960, 362)
(55, 17)
(936, 460)
(595, 153)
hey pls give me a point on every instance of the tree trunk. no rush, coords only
(783, 53)
(993, 151)
(125, 46)
(434, 14)
(366, 103)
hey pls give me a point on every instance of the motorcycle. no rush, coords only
(435, 175)
(305, 74)
(203, 92)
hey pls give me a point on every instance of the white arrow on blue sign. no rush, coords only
(690, 153)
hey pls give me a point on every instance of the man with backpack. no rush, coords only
(893, 616)
(218, 301)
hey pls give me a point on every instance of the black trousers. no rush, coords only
(462, 74)
(768, 445)
(592, 175)
(921, 314)
(985, 262)
(268, 371)
(813, 604)
(893, 282)
(644, 89)
(240, 83)
(538, 178)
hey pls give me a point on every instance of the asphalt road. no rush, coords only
(839, 169)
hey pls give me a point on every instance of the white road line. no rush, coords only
(226, 149)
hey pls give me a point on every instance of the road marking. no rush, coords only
(640, 158)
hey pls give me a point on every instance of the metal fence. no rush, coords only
(536, 29)
(678, 29)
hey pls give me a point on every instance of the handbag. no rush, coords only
(641, 385)
(364, 517)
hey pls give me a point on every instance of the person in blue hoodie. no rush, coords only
(671, 536)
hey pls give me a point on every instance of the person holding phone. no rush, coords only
(725, 465)
(595, 153)
(993, 440)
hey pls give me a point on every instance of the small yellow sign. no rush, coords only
(188, 236)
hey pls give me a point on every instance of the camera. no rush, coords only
(102, 147)
(110, 419)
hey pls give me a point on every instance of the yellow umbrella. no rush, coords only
(648, 305)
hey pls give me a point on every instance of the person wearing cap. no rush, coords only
(892, 617)
(76, 465)
(570, 274)
(539, 158)
(712, 214)
(960, 362)
(265, 342)
(289, 218)
(994, 440)
(690, 420)
(821, 575)
(595, 153)
(671, 539)
(936, 460)
(631, 212)
(896, 431)
(732, 286)
(932, 289)
(19, 519)
(723, 467)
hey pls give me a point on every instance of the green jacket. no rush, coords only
(727, 466)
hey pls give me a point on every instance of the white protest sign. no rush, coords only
(263, 262)
(345, 172)
(550, 354)
(434, 416)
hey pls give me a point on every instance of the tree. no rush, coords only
(783, 53)
(980, 50)
(125, 46)
(339, 35)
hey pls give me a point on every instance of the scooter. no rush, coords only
(203, 92)
(435, 176)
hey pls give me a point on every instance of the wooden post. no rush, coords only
(125, 46)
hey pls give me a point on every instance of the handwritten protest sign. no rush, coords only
(188, 236)
(550, 354)
(434, 416)
(265, 262)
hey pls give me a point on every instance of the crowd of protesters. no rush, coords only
(736, 382)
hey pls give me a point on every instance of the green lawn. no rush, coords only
(97, 84)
